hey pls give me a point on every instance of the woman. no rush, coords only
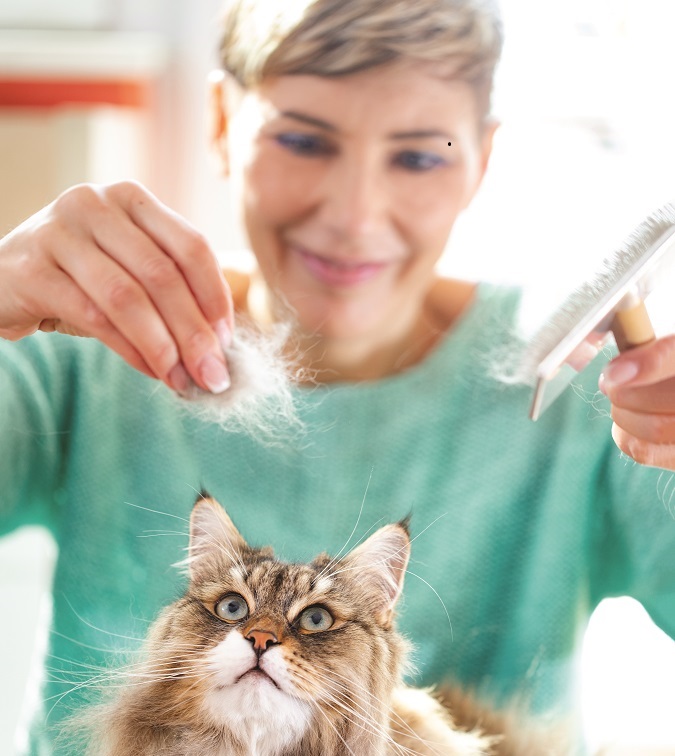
(354, 134)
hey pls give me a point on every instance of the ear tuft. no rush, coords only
(405, 524)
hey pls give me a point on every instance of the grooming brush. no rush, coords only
(610, 304)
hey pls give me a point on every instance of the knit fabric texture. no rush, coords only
(519, 529)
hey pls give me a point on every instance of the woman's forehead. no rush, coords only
(398, 101)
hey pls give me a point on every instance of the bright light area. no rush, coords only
(628, 679)
(585, 149)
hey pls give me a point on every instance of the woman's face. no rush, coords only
(348, 190)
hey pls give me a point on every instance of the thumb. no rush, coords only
(643, 365)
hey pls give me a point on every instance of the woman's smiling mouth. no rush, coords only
(338, 273)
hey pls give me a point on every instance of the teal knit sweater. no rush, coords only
(522, 527)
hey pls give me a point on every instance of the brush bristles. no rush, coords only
(637, 248)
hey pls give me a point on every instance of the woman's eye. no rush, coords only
(304, 144)
(232, 608)
(315, 618)
(418, 161)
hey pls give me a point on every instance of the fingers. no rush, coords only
(659, 429)
(74, 307)
(657, 398)
(114, 263)
(644, 365)
(641, 386)
(171, 303)
(190, 252)
(644, 452)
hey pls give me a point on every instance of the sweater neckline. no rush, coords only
(449, 350)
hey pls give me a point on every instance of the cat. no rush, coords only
(266, 658)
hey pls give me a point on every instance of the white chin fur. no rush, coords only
(254, 709)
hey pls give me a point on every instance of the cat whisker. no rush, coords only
(363, 689)
(231, 553)
(146, 674)
(407, 731)
(81, 644)
(337, 556)
(378, 563)
(364, 720)
(159, 512)
(438, 596)
(99, 629)
(333, 727)
(395, 552)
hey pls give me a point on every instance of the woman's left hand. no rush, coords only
(640, 384)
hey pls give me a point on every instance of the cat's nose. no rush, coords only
(261, 639)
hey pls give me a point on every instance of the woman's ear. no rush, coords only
(217, 120)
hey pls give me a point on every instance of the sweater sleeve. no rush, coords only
(34, 407)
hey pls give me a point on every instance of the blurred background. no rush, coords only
(101, 90)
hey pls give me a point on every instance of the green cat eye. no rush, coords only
(232, 607)
(315, 618)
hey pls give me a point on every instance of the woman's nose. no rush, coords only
(356, 199)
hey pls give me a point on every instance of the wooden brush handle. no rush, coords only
(632, 327)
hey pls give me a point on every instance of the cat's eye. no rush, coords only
(232, 608)
(314, 619)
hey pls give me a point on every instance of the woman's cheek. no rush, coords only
(279, 185)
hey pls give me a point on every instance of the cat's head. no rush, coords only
(287, 643)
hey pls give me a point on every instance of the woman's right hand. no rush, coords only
(114, 263)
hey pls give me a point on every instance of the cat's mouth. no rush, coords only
(256, 673)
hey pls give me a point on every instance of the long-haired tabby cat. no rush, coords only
(265, 658)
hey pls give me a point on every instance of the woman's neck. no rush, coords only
(329, 360)
(371, 357)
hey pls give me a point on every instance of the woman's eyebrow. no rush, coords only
(310, 120)
(421, 134)
(326, 126)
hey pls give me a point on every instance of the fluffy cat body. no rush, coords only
(265, 658)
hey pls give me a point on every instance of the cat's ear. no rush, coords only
(214, 540)
(379, 565)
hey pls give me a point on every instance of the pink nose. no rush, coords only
(261, 639)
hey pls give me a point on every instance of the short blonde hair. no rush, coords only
(266, 38)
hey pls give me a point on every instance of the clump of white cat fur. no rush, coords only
(260, 399)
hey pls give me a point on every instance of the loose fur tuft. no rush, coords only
(260, 400)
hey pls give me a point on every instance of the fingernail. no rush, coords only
(214, 374)
(179, 379)
(620, 372)
(224, 334)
